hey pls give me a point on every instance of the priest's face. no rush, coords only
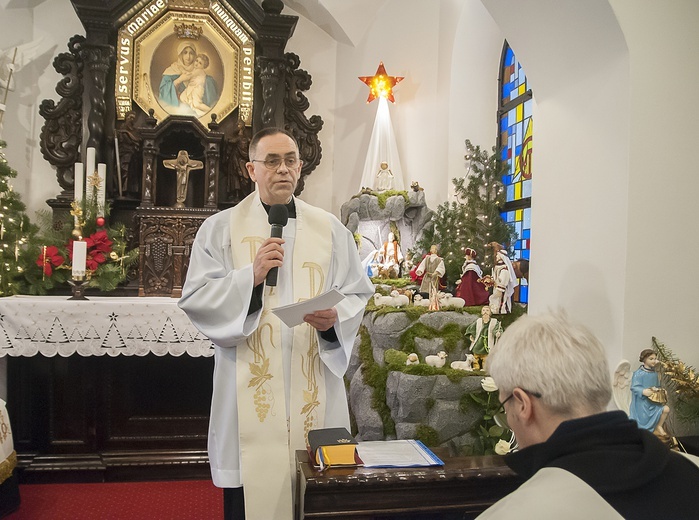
(275, 168)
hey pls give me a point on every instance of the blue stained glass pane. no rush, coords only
(512, 117)
(527, 218)
(527, 188)
(518, 245)
(518, 228)
(506, 89)
(525, 254)
(528, 108)
(526, 233)
(510, 192)
(509, 56)
(507, 179)
(503, 123)
(524, 294)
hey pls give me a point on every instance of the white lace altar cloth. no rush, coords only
(55, 325)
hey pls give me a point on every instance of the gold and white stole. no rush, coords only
(267, 440)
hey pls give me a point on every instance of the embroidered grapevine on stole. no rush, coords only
(259, 368)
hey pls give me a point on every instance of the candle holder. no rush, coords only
(77, 286)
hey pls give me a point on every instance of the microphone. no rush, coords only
(278, 217)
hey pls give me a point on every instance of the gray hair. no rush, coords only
(551, 355)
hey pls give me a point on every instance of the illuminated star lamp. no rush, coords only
(381, 84)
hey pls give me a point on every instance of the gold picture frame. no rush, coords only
(191, 63)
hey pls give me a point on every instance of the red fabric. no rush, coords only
(472, 291)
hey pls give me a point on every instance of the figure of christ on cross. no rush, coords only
(182, 166)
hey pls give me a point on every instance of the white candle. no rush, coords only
(90, 167)
(102, 189)
(79, 259)
(118, 166)
(79, 184)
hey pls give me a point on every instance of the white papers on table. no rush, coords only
(293, 314)
(396, 454)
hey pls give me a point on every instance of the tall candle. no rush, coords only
(102, 189)
(79, 259)
(90, 166)
(79, 182)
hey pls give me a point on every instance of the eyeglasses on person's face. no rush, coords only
(273, 163)
(501, 417)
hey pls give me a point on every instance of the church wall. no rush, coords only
(576, 63)
(54, 21)
(628, 149)
(318, 51)
(473, 93)
(663, 241)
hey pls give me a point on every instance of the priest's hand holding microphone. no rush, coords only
(270, 258)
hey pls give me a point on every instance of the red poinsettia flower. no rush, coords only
(99, 241)
(48, 259)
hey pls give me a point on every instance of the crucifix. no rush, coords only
(182, 166)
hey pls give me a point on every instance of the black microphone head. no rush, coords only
(278, 214)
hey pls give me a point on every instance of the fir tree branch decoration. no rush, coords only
(473, 218)
(16, 231)
(682, 379)
(108, 256)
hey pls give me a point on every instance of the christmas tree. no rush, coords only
(473, 219)
(15, 230)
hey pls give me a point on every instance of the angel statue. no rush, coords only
(640, 395)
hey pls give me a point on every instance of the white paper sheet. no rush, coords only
(293, 314)
(396, 454)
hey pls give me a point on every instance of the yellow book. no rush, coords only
(333, 447)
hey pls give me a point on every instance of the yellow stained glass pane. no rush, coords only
(518, 215)
(521, 90)
(518, 191)
(520, 112)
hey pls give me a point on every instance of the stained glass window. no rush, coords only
(515, 141)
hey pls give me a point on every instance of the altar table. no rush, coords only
(461, 489)
(110, 388)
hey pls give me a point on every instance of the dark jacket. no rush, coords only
(629, 467)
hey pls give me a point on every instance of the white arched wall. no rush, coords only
(663, 238)
(580, 191)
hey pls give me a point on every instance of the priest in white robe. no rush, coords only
(272, 384)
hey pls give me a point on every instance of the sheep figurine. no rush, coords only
(380, 300)
(438, 360)
(447, 300)
(412, 359)
(395, 299)
(419, 301)
(399, 300)
(464, 365)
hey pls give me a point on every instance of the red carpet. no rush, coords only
(178, 500)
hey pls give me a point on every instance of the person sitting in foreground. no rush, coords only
(578, 460)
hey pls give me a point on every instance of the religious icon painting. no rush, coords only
(186, 62)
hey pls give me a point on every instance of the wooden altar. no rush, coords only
(106, 389)
(123, 94)
(461, 489)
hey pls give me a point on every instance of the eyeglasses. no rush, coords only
(501, 409)
(275, 162)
